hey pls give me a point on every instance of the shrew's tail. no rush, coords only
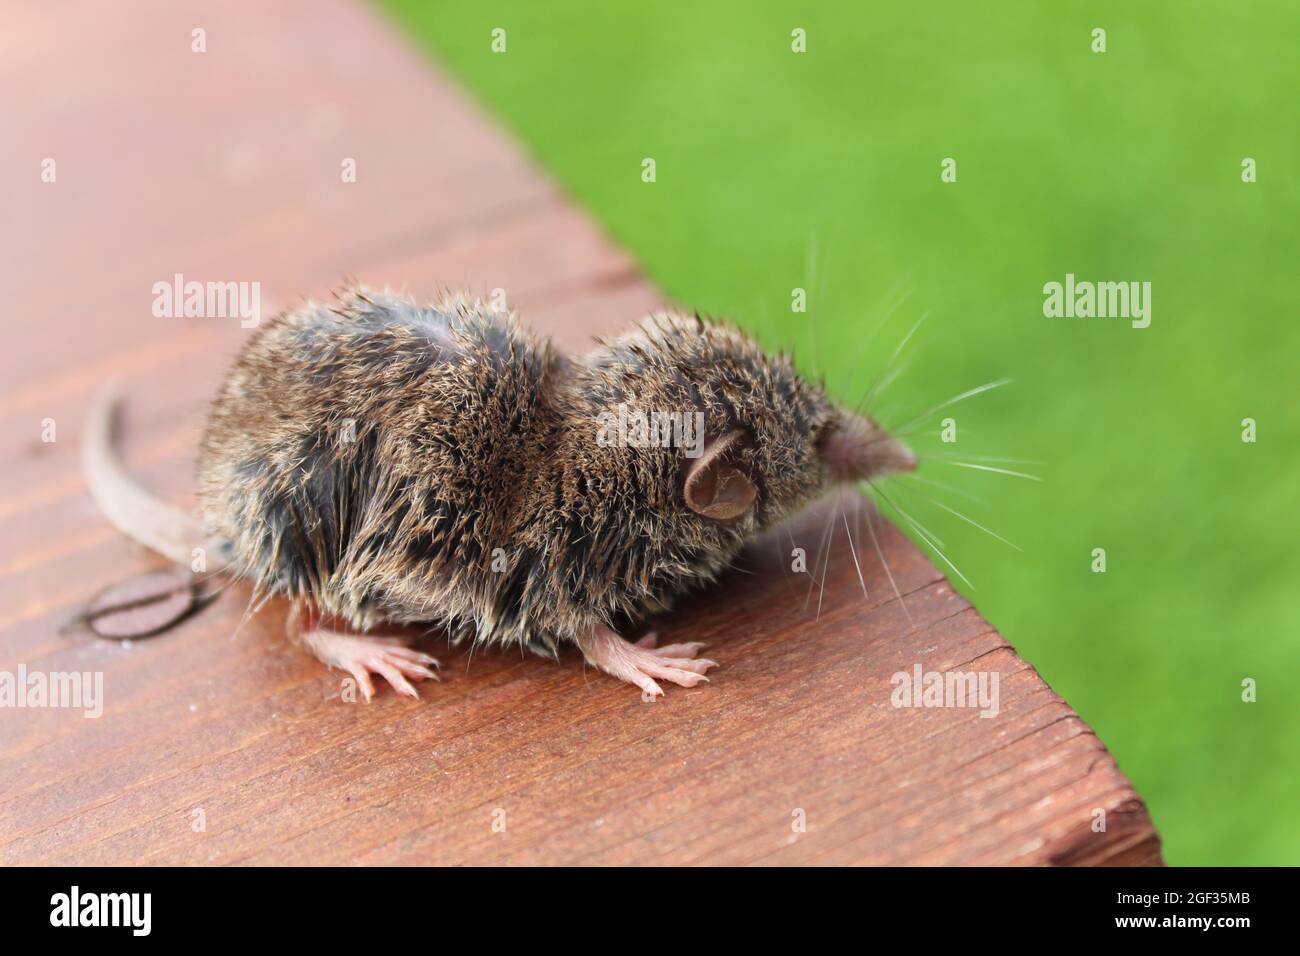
(135, 512)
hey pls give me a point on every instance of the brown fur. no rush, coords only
(471, 435)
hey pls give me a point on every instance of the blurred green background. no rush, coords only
(821, 170)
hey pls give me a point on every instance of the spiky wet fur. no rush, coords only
(469, 435)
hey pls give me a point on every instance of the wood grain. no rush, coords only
(225, 165)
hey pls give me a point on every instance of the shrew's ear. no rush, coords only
(715, 487)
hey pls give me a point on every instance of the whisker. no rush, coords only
(812, 575)
(782, 559)
(889, 314)
(1004, 461)
(913, 476)
(969, 393)
(924, 536)
(998, 471)
(853, 549)
(789, 533)
(972, 521)
(875, 541)
(827, 563)
(874, 391)
(938, 433)
(815, 284)
(470, 655)
(249, 611)
(810, 264)
(885, 381)
(942, 543)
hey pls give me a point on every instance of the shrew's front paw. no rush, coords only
(641, 663)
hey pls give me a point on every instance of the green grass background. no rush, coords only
(821, 170)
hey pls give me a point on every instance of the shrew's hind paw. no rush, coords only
(362, 655)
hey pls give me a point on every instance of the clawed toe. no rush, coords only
(689, 649)
(697, 666)
(684, 673)
(394, 676)
(403, 652)
(362, 677)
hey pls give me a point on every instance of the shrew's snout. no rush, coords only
(856, 448)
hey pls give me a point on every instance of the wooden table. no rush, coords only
(222, 744)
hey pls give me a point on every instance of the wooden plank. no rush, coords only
(225, 165)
